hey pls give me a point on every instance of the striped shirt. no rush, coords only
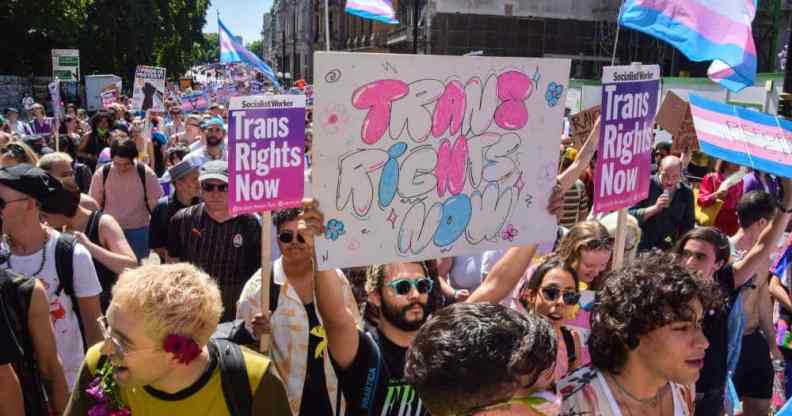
(229, 252)
(575, 205)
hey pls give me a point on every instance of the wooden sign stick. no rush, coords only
(266, 266)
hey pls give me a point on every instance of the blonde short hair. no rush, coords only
(46, 161)
(172, 299)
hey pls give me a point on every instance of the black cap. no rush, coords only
(120, 126)
(30, 180)
(11, 110)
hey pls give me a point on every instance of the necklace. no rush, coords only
(651, 402)
(43, 258)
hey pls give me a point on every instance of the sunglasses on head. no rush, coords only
(599, 243)
(287, 237)
(403, 286)
(211, 187)
(552, 293)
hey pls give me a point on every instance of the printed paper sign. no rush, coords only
(266, 135)
(196, 102)
(581, 124)
(624, 153)
(109, 97)
(54, 90)
(742, 136)
(419, 157)
(66, 64)
(149, 89)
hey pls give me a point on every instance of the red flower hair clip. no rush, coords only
(185, 349)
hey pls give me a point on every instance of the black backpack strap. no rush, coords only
(274, 292)
(64, 267)
(233, 376)
(569, 340)
(142, 174)
(375, 367)
(105, 174)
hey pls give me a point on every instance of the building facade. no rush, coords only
(581, 30)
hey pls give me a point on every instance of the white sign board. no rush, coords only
(419, 157)
(66, 64)
(149, 89)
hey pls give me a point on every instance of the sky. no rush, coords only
(241, 17)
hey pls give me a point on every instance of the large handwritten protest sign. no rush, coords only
(265, 151)
(149, 89)
(624, 152)
(420, 157)
(742, 136)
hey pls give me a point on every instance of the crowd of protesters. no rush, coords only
(129, 286)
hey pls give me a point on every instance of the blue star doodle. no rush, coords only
(553, 94)
(334, 229)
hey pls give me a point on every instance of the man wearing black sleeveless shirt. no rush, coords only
(707, 251)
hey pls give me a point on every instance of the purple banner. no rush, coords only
(624, 152)
(266, 136)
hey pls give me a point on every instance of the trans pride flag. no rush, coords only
(379, 10)
(232, 51)
(704, 30)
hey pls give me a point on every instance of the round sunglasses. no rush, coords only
(404, 286)
(287, 237)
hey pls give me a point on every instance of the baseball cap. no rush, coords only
(30, 180)
(215, 169)
(213, 121)
(178, 171)
(11, 110)
(120, 126)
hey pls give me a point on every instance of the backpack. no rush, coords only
(233, 376)
(141, 170)
(64, 268)
(16, 292)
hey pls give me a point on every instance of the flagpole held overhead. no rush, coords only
(231, 51)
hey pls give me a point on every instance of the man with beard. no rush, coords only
(215, 148)
(370, 365)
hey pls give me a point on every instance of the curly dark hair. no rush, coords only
(283, 216)
(654, 291)
(471, 355)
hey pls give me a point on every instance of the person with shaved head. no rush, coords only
(668, 210)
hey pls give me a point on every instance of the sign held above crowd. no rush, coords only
(624, 153)
(675, 117)
(149, 89)
(420, 157)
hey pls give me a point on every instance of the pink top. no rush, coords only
(124, 199)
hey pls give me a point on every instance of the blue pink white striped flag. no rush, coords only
(704, 30)
(379, 10)
(742, 136)
(233, 51)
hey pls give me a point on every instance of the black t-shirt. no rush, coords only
(713, 374)
(374, 382)
(315, 400)
(165, 209)
(9, 348)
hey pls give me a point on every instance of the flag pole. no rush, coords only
(327, 25)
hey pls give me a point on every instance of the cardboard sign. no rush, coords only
(675, 117)
(581, 124)
(624, 152)
(109, 97)
(742, 136)
(149, 89)
(419, 156)
(266, 135)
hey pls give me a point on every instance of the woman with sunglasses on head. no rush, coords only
(16, 153)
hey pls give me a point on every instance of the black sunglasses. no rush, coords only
(551, 294)
(287, 237)
(209, 187)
